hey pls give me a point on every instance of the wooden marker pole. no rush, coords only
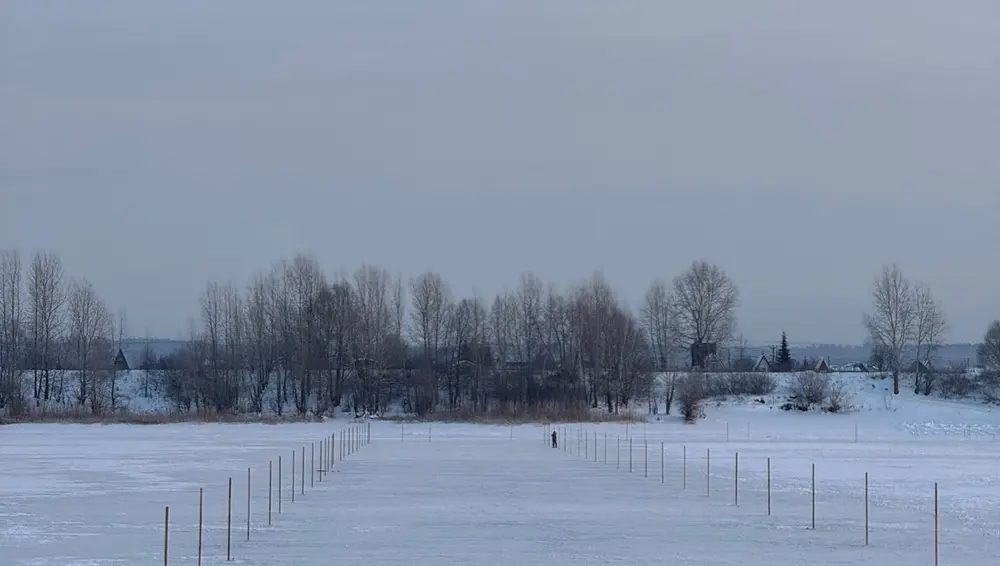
(769, 487)
(866, 508)
(248, 504)
(630, 455)
(312, 465)
(708, 472)
(303, 471)
(814, 497)
(322, 459)
(229, 523)
(270, 483)
(736, 482)
(662, 473)
(619, 451)
(201, 521)
(166, 534)
(684, 472)
(936, 554)
(293, 476)
(645, 458)
(279, 485)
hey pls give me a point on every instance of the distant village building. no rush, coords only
(703, 354)
(121, 362)
(822, 366)
(762, 364)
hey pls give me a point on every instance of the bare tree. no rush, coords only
(90, 333)
(989, 351)
(46, 300)
(893, 323)
(370, 344)
(706, 300)
(659, 321)
(11, 332)
(930, 325)
(430, 322)
(261, 340)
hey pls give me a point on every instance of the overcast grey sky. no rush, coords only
(799, 145)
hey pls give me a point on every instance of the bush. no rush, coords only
(740, 384)
(809, 389)
(690, 395)
(956, 385)
(839, 398)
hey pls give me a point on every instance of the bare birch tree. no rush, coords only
(370, 344)
(90, 333)
(892, 325)
(929, 327)
(430, 321)
(705, 300)
(11, 332)
(261, 340)
(46, 301)
(659, 321)
(988, 352)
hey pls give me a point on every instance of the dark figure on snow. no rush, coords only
(555, 443)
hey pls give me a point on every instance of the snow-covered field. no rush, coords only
(468, 494)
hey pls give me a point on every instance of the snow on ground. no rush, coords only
(74, 495)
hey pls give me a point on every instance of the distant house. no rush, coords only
(920, 367)
(701, 352)
(121, 361)
(822, 366)
(762, 364)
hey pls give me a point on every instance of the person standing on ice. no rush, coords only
(555, 444)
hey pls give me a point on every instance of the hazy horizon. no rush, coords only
(157, 146)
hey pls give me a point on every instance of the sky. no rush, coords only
(799, 145)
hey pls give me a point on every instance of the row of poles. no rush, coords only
(584, 444)
(332, 449)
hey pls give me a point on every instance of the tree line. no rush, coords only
(295, 339)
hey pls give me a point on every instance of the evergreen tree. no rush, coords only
(784, 360)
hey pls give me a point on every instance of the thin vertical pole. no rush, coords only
(303, 471)
(855, 432)
(605, 448)
(866, 508)
(201, 521)
(662, 449)
(270, 481)
(322, 458)
(736, 482)
(248, 504)
(630, 455)
(279, 485)
(166, 534)
(645, 458)
(595, 447)
(769, 487)
(814, 497)
(229, 523)
(708, 471)
(685, 470)
(586, 446)
(936, 554)
(619, 451)
(293, 476)
(312, 465)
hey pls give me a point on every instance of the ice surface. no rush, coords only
(468, 494)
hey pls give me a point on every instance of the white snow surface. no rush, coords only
(75, 495)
